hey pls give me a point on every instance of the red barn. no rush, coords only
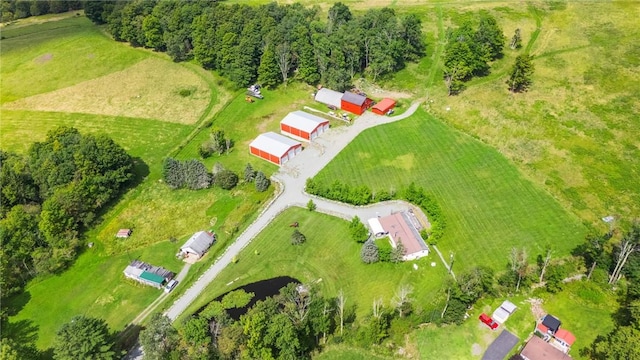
(383, 106)
(354, 103)
(302, 125)
(275, 148)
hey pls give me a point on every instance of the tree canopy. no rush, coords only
(270, 43)
(84, 338)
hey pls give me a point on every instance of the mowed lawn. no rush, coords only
(488, 205)
(346, 353)
(93, 286)
(331, 259)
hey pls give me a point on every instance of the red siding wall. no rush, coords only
(352, 108)
(265, 155)
(294, 131)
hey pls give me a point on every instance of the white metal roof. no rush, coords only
(500, 315)
(198, 243)
(273, 143)
(509, 306)
(329, 97)
(376, 227)
(303, 121)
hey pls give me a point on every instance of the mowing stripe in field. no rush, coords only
(490, 208)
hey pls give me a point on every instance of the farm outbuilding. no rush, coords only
(383, 106)
(354, 103)
(275, 148)
(148, 274)
(302, 125)
(197, 245)
(329, 97)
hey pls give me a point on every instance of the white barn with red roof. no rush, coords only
(275, 148)
(302, 125)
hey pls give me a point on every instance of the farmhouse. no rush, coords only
(384, 106)
(148, 274)
(329, 97)
(197, 245)
(275, 148)
(538, 349)
(354, 103)
(302, 125)
(402, 228)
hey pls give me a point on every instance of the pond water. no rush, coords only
(262, 290)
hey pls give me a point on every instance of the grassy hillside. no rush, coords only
(489, 207)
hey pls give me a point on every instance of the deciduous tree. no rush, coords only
(84, 338)
(159, 338)
(358, 231)
(297, 238)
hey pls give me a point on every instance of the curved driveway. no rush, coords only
(292, 178)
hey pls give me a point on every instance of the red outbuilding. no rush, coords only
(302, 125)
(383, 106)
(354, 103)
(275, 148)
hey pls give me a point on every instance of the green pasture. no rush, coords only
(93, 286)
(44, 57)
(346, 353)
(329, 258)
(488, 205)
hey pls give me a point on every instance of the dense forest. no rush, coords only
(271, 43)
(49, 196)
(19, 9)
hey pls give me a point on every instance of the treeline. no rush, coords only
(193, 175)
(363, 195)
(469, 50)
(51, 194)
(290, 325)
(20, 9)
(270, 43)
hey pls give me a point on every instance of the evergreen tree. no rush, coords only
(369, 252)
(84, 338)
(268, 71)
(249, 173)
(196, 175)
(262, 182)
(520, 78)
(226, 179)
(297, 237)
(173, 173)
(489, 36)
(516, 40)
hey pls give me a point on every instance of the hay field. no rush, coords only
(153, 88)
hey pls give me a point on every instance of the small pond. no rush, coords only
(262, 290)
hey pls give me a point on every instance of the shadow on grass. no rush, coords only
(21, 332)
(128, 337)
(16, 303)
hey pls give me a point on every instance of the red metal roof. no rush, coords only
(566, 336)
(384, 105)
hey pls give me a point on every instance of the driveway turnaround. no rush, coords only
(501, 347)
(292, 178)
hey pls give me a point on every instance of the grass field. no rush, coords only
(346, 353)
(327, 242)
(489, 207)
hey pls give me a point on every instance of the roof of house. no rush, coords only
(384, 105)
(149, 276)
(400, 228)
(508, 306)
(273, 143)
(199, 242)
(329, 97)
(137, 268)
(566, 336)
(542, 328)
(354, 98)
(303, 121)
(376, 227)
(551, 322)
(538, 349)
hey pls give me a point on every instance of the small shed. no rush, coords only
(502, 313)
(383, 106)
(198, 244)
(354, 103)
(302, 125)
(329, 97)
(123, 233)
(275, 148)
